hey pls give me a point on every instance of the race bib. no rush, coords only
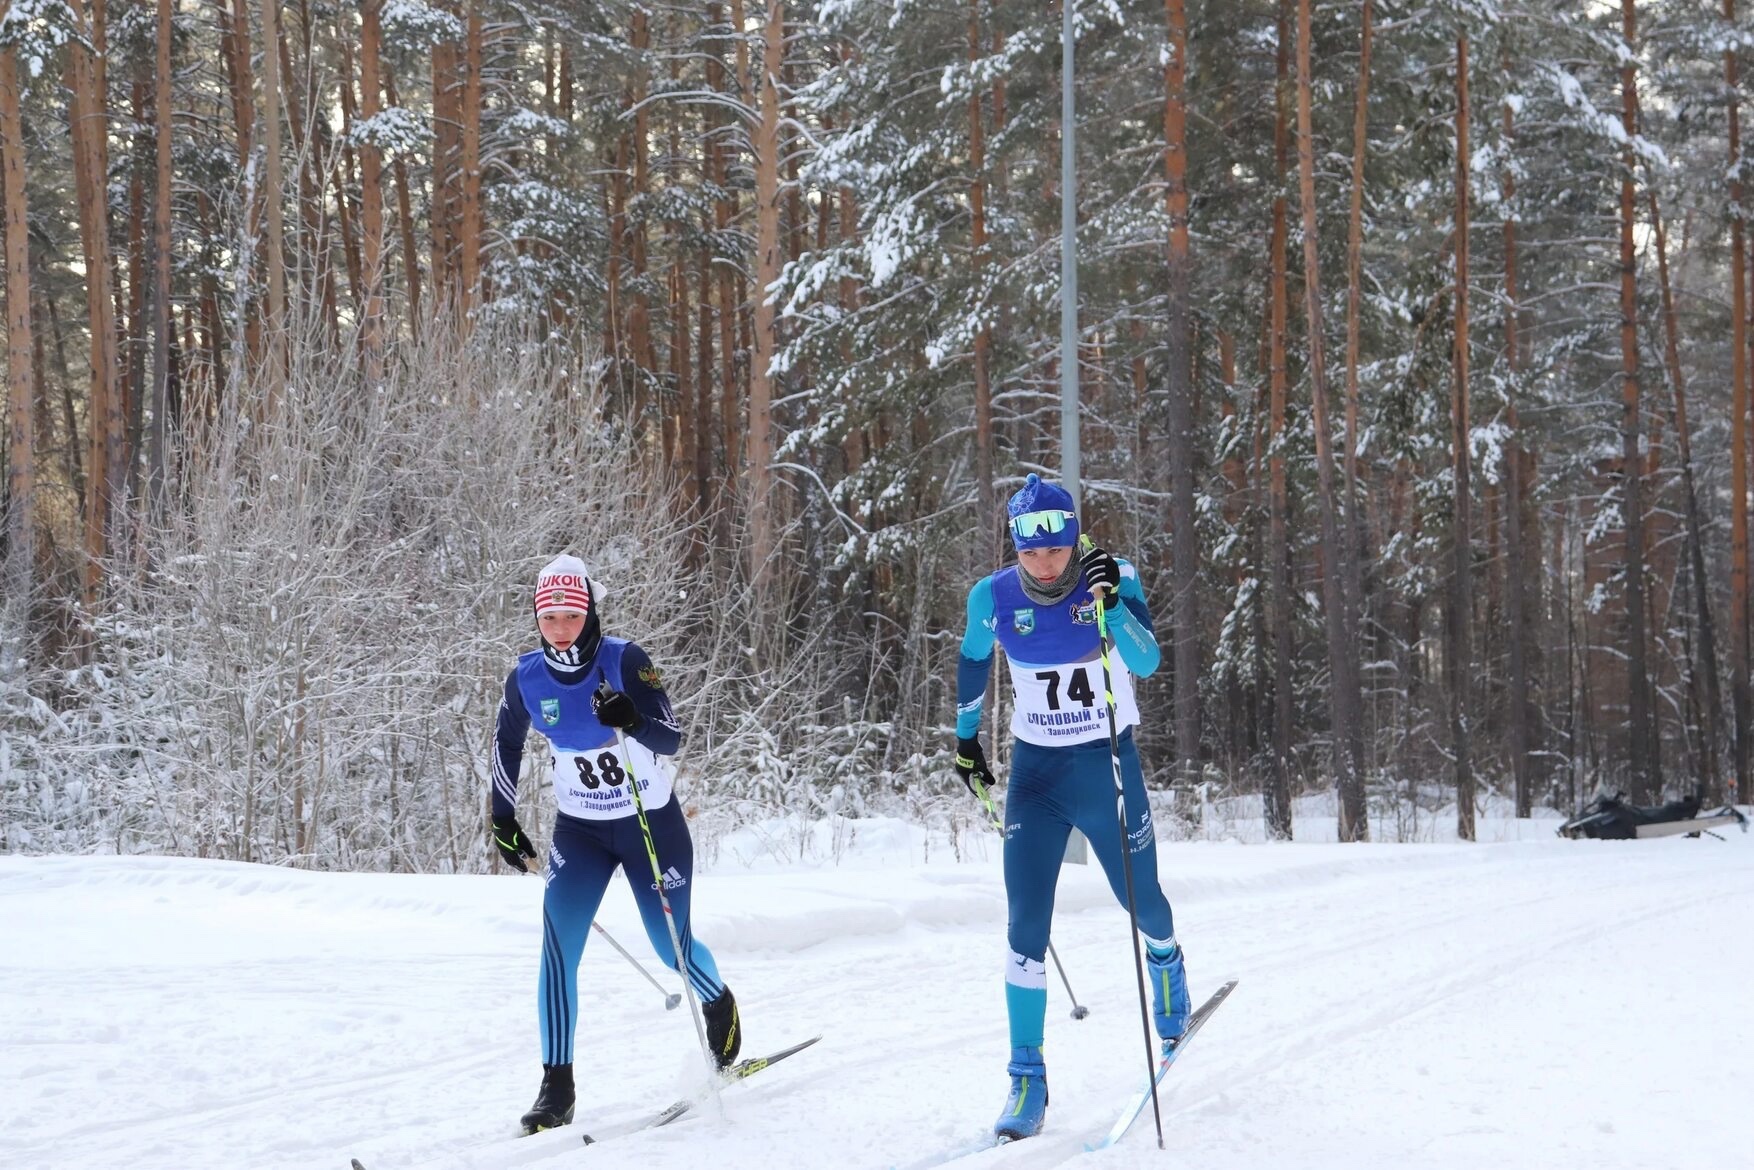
(1065, 704)
(596, 784)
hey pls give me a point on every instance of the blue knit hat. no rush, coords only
(1041, 516)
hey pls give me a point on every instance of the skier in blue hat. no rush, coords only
(1042, 611)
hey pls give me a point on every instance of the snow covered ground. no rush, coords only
(1534, 1003)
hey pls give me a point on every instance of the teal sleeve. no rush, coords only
(1129, 624)
(975, 665)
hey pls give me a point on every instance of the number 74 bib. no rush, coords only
(1064, 704)
(595, 784)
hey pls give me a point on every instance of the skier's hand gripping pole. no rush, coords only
(1114, 755)
(645, 828)
(976, 782)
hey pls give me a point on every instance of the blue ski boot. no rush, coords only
(1028, 1103)
(1169, 991)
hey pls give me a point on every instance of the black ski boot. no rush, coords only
(724, 1035)
(554, 1102)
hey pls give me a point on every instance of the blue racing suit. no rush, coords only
(1061, 774)
(595, 829)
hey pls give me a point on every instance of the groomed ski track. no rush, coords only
(1535, 1004)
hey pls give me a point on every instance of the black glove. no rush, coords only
(513, 845)
(972, 761)
(1102, 571)
(615, 709)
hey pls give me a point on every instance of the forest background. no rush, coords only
(1413, 344)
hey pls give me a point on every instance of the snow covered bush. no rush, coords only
(302, 662)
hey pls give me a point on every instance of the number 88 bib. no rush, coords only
(594, 784)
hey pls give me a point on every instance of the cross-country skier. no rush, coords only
(559, 690)
(1042, 611)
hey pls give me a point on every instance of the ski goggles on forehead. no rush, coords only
(1032, 524)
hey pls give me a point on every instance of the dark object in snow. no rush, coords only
(1610, 818)
(554, 1101)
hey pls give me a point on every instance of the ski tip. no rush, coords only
(356, 1164)
(589, 1140)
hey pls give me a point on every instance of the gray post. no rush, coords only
(1077, 849)
(1069, 461)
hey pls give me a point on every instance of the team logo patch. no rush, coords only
(557, 597)
(551, 711)
(1023, 620)
(650, 676)
(1083, 613)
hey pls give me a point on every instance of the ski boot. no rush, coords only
(554, 1101)
(1027, 1105)
(724, 1034)
(1169, 992)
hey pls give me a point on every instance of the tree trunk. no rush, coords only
(75, 473)
(639, 331)
(1642, 746)
(308, 128)
(273, 184)
(767, 267)
(104, 414)
(681, 453)
(346, 178)
(235, 27)
(1278, 795)
(703, 398)
(724, 210)
(1184, 535)
(1738, 431)
(371, 207)
(133, 329)
(1356, 531)
(1461, 616)
(470, 236)
(21, 397)
(1517, 723)
(404, 212)
(1712, 699)
(1342, 650)
(986, 548)
(446, 188)
(162, 341)
(614, 331)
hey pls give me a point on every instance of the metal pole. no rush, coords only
(671, 998)
(1069, 454)
(1077, 849)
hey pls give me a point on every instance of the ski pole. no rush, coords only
(1114, 758)
(1079, 1011)
(645, 828)
(671, 998)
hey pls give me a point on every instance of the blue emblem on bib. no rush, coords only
(1023, 620)
(551, 711)
(1083, 613)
